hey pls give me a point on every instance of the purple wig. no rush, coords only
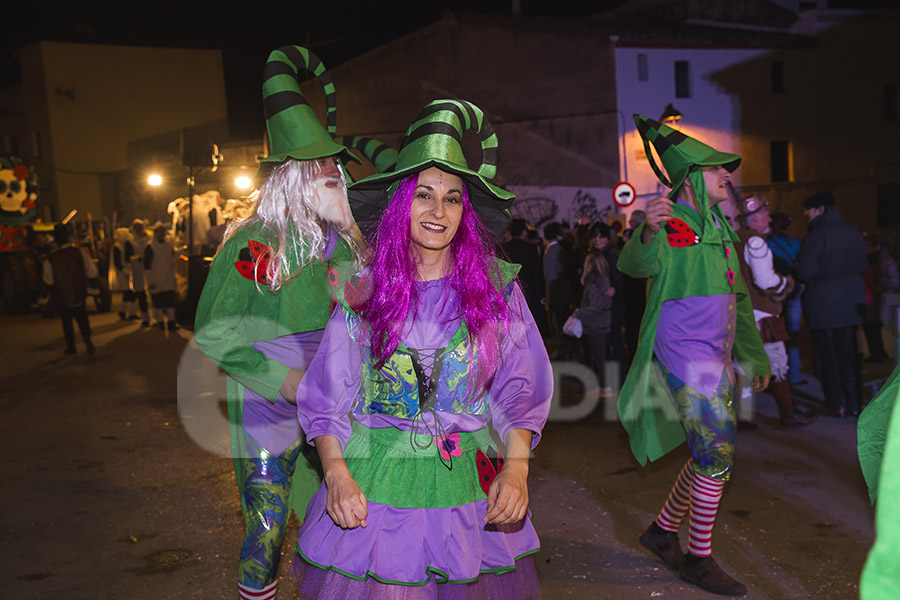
(472, 273)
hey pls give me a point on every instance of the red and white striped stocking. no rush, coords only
(267, 593)
(677, 504)
(705, 497)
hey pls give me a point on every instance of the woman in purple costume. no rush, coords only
(431, 359)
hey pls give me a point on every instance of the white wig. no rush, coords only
(285, 205)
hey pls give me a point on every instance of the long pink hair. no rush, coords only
(472, 272)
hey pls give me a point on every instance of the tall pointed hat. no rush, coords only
(435, 140)
(383, 157)
(678, 152)
(293, 127)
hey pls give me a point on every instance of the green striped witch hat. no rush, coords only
(382, 156)
(435, 140)
(678, 152)
(293, 127)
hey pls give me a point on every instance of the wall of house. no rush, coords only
(88, 101)
(548, 89)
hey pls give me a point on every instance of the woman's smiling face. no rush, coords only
(436, 210)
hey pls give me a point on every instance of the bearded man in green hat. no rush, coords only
(681, 383)
(266, 301)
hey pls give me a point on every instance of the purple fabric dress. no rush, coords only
(406, 553)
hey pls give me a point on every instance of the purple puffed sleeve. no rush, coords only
(522, 389)
(331, 383)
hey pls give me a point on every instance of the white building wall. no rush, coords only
(710, 115)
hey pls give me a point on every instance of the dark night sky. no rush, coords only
(336, 31)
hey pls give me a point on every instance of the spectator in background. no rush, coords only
(767, 290)
(120, 273)
(831, 263)
(596, 311)
(604, 240)
(67, 272)
(885, 279)
(559, 287)
(784, 255)
(637, 217)
(139, 242)
(159, 264)
(531, 275)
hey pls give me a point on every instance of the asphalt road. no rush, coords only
(114, 487)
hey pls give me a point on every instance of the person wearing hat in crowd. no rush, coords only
(432, 343)
(139, 241)
(266, 301)
(159, 268)
(831, 262)
(767, 290)
(681, 382)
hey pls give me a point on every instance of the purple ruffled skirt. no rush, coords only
(425, 539)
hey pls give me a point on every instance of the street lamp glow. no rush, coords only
(154, 180)
(243, 182)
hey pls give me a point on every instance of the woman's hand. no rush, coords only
(345, 503)
(507, 498)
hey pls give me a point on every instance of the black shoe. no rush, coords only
(90, 347)
(145, 323)
(161, 326)
(703, 572)
(122, 316)
(70, 350)
(172, 326)
(664, 544)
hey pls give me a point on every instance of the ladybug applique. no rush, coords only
(679, 234)
(254, 261)
(356, 291)
(489, 466)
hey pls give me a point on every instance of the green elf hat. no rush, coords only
(383, 157)
(293, 127)
(435, 140)
(679, 153)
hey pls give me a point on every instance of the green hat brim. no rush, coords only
(369, 197)
(320, 149)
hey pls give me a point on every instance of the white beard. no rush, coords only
(331, 203)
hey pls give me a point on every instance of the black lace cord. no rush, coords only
(427, 398)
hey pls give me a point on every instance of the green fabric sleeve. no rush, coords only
(640, 260)
(224, 324)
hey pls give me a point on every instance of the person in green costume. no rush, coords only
(878, 447)
(266, 301)
(680, 386)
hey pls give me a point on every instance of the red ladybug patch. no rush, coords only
(356, 291)
(489, 466)
(254, 261)
(679, 234)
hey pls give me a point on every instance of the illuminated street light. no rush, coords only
(243, 182)
(670, 115)
(154, 180)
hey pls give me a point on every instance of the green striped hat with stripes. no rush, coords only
(435, 140)
(293, 127)
(679, 153)
(383, 157)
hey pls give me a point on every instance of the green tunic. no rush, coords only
(674, 273)
(235, 312)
